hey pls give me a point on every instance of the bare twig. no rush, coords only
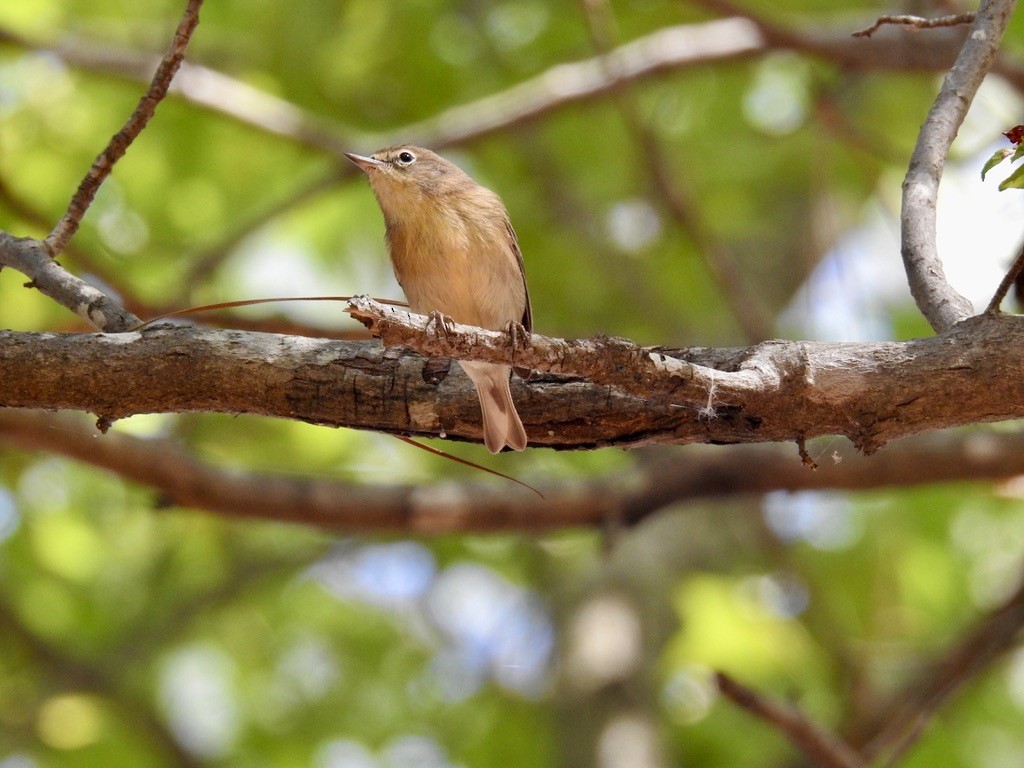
(1004, 286)
(29, 257)
(65, 229)
(206, 262)
(916, 22)
(941, 305)
(912, 708)
(745, 307)
(820, 746)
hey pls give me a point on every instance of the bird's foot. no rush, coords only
(519, 339)
(442, 324)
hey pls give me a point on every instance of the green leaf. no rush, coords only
(1014, 181)
(997, 157)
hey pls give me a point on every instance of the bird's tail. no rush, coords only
(501, 422)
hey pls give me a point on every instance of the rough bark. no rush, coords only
(589, 393)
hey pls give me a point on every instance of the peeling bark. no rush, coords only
(588, 393)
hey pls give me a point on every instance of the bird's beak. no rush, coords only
(365, 163)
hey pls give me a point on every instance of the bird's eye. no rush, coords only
(405, 157)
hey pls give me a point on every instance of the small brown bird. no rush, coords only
(454, 252)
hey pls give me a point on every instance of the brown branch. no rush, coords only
(820, 746)
(842, 385)
(627, 497)
(617, 393)
(1007, 281)
(905, 718)
(917, 22)
(745, 307)
(941, 305)
(65, 229)
(667, 50)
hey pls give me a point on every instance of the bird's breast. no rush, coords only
(467, 272)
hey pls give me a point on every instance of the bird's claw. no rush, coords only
(519, 339)
(443, 325)
(518, 336)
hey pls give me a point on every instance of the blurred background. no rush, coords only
(676, 175)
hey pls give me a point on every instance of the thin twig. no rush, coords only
(207, 261)
(30, 257)
(913, 707)
(718, 262)
(917, 22)
(820, 746)
(1004, 286)
(941, 305)
(61, 235)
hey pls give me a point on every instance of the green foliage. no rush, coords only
(121, 618)
(1016, 178)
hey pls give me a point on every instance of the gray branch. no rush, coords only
(941, 305)
(31, 258)
(589, 393)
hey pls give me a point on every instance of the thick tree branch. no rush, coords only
(864, 391)
(941, 305)
(617, 393)
(627, 497)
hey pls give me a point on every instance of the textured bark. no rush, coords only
(589, 393)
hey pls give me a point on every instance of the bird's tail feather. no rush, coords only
(501, 423)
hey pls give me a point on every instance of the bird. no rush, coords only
(455, 253)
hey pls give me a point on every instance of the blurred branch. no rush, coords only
(1007, 281)
(917, 22)
(941, 305)
(628, 497)
(667, 50)
(757, 325)
(65, 229)
(202, 86)
(75, 674)
(898, 52)
(662, 52)
(821, 747)
(207, 261)
(905, 718)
